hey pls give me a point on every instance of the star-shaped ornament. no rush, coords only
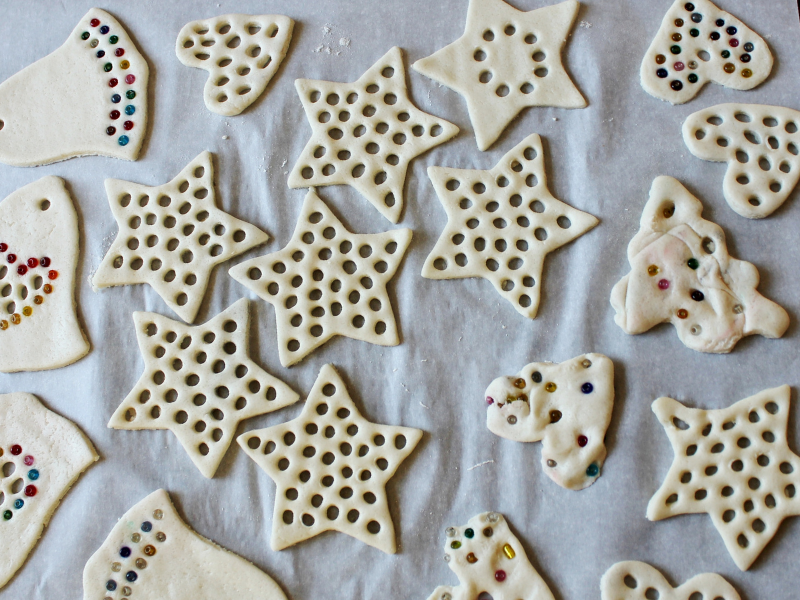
(734, 464)
(331, 466)
(507, 60)
(326, 282)
(501, 224)
(365, 133)
(172, 235)
(199, 382)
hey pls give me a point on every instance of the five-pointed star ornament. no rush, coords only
(734, 464)
(172, 235)
(501, 223)
(331, 466)
(505, 61)
(365, 133)
(326, 282)
(199, 382)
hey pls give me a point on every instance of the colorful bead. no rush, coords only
(123, 140)
(693, 263)
(111, 130)
(745, 58)
(52, 274)
(101, 53)
(116, 567)
(129, 79)
(45, 261)
(127, 125)
(38, 299)
(675, 49)
(582, 440)
(738, 309)
(93, 44)
(697, 295)
(694, 32)
(85, 35)
(147, 526)
(116, 98)
(512, 420)
(719, 22)
(130, 109)
(161, 536)
(714, 35)
(125, 552)
(592, 470)
(47, 288)
(33, 263)
(113, 82)
(749, 47)
(104, 29)
(16, 449)
(28, 460)
(130, 94)
(488, 531)
(119, 51)
(149, 550)
(551, 463)
(697, 17)
(489, 400)
(33, 474)
(3, 325)
(728, 68)
(469, 533)
(679, 66)
(22, 269)
(107, 67)
(131, 576)
(7, 514)
(124, 64)
(11, 258)
(113, 39)
(652, 270)
(114, 114)
(677, 37)
(682, 313)
(586, 363)
(141, 563)
(550, 387)
(676, 85)
(663, 284)
(678, 22)
(136, 537)
(3, 247)
(689, 6)
(27, 311)
(94, 22)
(30, 491)
(725, 54)
(111, 585)
(731, 30)
(587, 388)
(509, 551)
(747, 73)
(450, 531)
(662, 73)
(19, 503)
(500, 575)
(15, 319)
(660, 59)
(471, 558)
(555, 416)
(733, 43)
(455, 545)
(536, 377)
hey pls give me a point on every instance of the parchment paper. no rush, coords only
(456, 335)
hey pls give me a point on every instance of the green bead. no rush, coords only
(693, 263)
(675, 49)
(692, 78)
(113, 39)
(130, 94)
(107, 67)
(469, 533)
(7, 515)
(85, 35)
(592, 470)
(725, 54)
(455, 545)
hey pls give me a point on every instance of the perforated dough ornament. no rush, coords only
(567, 406)
(241, 54)
(42, 454)
(39, 247)
(489, 560)
(761, 146)
(734, 464)
(697, 43)
(331, 467)
(89, 97)
(681, 273)
(365, 133)
(152, 553)
(633, 580)
(171, 236)
(501, 224)
(327, 282)
(507, 60)
(199, 382)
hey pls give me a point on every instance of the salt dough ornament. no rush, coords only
(365, 133)
(241, 54)
(89, 97)
(567, 406)
(507, 60)
(697, 43)
(501, 224)
(761, 146)
(734, 464)
(331, 467)
(633, 580)
(681, 273)
(39, 247)
(327, 282)
(42, 454)
(199, 382)
(151, 553)
(171, 236)
(489, 560)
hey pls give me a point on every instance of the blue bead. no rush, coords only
(111, 585)
(131, 576)
(124, 552)
(104, 29)
(592, 470)
(147, 526)
(587, 388)
(116, 98)
(662, 73)
(123, 140)
(33, 474)
(130, 109)
(101, 53)
(19, 503)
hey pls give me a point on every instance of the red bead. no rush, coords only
(113, 82)
(500, 575)
(489, 400)
(129, 79)
(127, 125)
(45, 261)
(30, 491)
(11, 258)
(114, 115)
(582, 440)
(16, 449)
(119, 52)
(663, 284)
(52, 274)
(111, 130)
(28, 460)
(33, 263)
(94, 22)
(3, 247)
(734, 42)
(679, 66)
(22, 269)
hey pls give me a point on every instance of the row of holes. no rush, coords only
(742, 117)
(753, 138)
(252, 29)
(652, 593)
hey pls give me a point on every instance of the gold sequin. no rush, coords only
(550, 387)
(509, 551)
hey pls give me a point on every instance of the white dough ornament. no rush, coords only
(697, 43)
(633, 580)
(171, 236)
(39, 248)
(761, 146)
(42, 454)
(241, 54)
(327, 282)
(681, 273)
(489, 560)
(365, 133)
(200, 383)
(505, 61)
(734, 464)
(152, 554)
(567, 406)
(501, 224)
(89, 97)
(331, 467)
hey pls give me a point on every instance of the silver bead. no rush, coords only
(446, 558)
(696, 329)
(450, 531)
(493, 517)
(158, 514)
(586, 363)
(512, 420)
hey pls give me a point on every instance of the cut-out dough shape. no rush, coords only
(171, 236)
(89, 97)
(567, 406)
(365, 133)
(734, 464)
(501, 224)
(507, 60)
(39, 247)
(681, 273)
(633, 580)
(489, 561)
(331, 467)
(152, 553)
(697, 43)
(327, 282)
(761, 146)
(199, 382)
(241, 54)
(42, 454)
